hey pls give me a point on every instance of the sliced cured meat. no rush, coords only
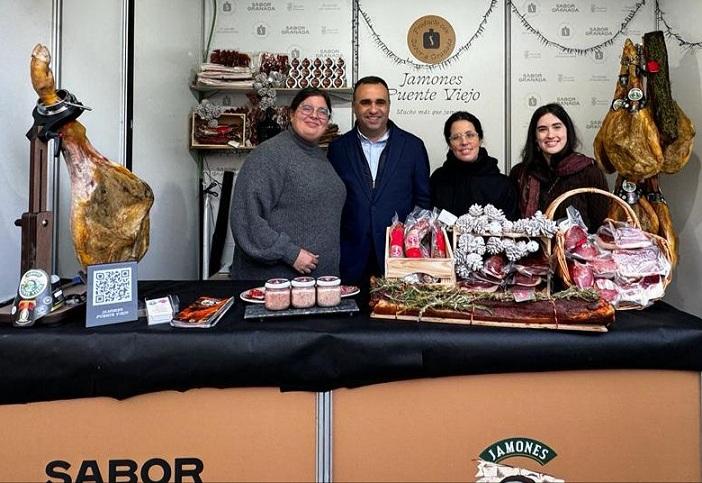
(607, 290)
(495, 266)
(532, 265)
(526, 280)
(640, 263)
(574, 237)
(477, 286)
(622, 236)
(481, 277)
(582, 275)
(585, 252)
(603, 267)
(523, 294)
(605, 241)
(640, 295)
(650, 280)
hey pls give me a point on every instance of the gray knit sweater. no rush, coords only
(287, 197)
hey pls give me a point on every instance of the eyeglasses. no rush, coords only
(469, 136)
(322, 112)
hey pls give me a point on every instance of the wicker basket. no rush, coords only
(557, 248)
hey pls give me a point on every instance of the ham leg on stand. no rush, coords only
(109, 204)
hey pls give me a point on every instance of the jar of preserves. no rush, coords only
(303, 293)
(277, 294)
(328, 291)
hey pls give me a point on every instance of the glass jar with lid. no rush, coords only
(277, 294)
(303, 293)
(328, 291)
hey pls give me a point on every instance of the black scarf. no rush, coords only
(483, 165)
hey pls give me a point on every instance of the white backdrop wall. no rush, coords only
(167, 42)
(477, 75)
(583, 84)
(22, 26)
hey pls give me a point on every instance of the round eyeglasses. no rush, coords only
(468, 136)
(322, 112)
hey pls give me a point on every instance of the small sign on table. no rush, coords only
(112, 294)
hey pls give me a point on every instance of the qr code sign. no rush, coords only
(112, 286)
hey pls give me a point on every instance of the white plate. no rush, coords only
(246, 295)
(349, 290)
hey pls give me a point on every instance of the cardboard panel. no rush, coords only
(603, 426)
(236, 434)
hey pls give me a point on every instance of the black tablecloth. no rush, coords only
(315, 354)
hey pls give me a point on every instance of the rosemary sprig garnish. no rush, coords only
(571, 293)
(449, 297)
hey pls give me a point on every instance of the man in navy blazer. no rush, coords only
(385, 170)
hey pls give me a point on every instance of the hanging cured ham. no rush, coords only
(676, 130)
(659, 139)
(109, 204)
(628, 141)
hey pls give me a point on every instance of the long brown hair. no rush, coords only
(530, 152)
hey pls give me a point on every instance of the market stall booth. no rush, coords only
(404, 400)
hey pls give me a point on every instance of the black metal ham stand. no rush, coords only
(37, 223)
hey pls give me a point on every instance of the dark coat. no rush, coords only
(457, 185)
(592, 208)
(401, 184)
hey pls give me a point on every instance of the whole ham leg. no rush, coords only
(109, 204)
(628, 140)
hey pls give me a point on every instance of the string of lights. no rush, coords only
(576, 50)
(670, 33)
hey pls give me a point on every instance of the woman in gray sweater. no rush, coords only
(286, 207)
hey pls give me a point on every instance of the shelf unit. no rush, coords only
(342, 93)
(244, 89)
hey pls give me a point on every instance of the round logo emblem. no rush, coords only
(33, 283)
(628, 186)
(635, 94)
(431, 39)
(618, 104)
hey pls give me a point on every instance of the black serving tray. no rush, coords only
(347, 306)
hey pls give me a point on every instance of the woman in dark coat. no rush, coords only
(550, 167)
(469, 175)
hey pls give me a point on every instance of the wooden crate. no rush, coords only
(232, 119)
(441, 268)
(544, 243)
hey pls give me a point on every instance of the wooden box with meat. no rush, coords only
(626, 265)
(219, 132)
(493, 254)
(418, 250)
